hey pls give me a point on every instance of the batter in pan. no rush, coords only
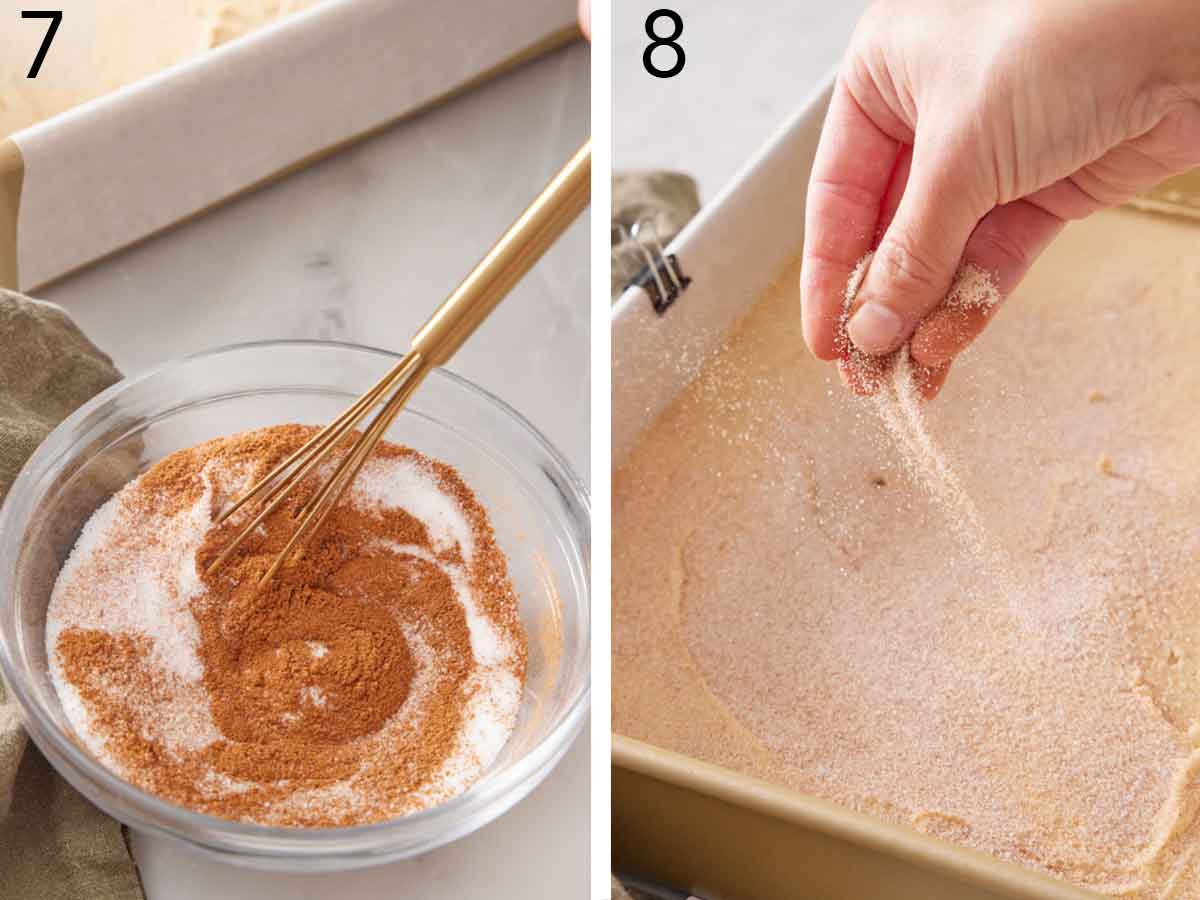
(790, 602)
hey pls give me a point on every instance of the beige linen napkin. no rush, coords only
(618, 890)
(54, 845)
(661, 202)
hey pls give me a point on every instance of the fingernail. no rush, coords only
(875, 328)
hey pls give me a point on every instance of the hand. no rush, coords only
(970, 131)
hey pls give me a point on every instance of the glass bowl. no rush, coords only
(538, 506)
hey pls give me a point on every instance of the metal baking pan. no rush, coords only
(724, 836)
(682, 822)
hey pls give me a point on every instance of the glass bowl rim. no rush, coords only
(155, 814)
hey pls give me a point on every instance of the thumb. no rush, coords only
(914, 266)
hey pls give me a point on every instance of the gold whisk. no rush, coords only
(547, 217)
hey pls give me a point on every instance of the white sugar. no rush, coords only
(491, 713)
(490, 716)
(114, 583)
(148, 599)
(313, 695)
(973, 288)
(411, 486)
(489, 646)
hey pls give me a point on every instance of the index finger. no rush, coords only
(846, 191)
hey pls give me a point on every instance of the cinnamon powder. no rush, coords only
(334, 695)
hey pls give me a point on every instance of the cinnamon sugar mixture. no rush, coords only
(791, 599)
(377, 674)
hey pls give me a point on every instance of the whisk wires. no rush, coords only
(453, 322)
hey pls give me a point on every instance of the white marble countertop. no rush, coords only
(361, 247)
(748, 66)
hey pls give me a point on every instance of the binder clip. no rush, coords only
(659, 274)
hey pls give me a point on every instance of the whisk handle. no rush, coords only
(530, 236)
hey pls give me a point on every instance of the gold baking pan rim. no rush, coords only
(702, 827)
